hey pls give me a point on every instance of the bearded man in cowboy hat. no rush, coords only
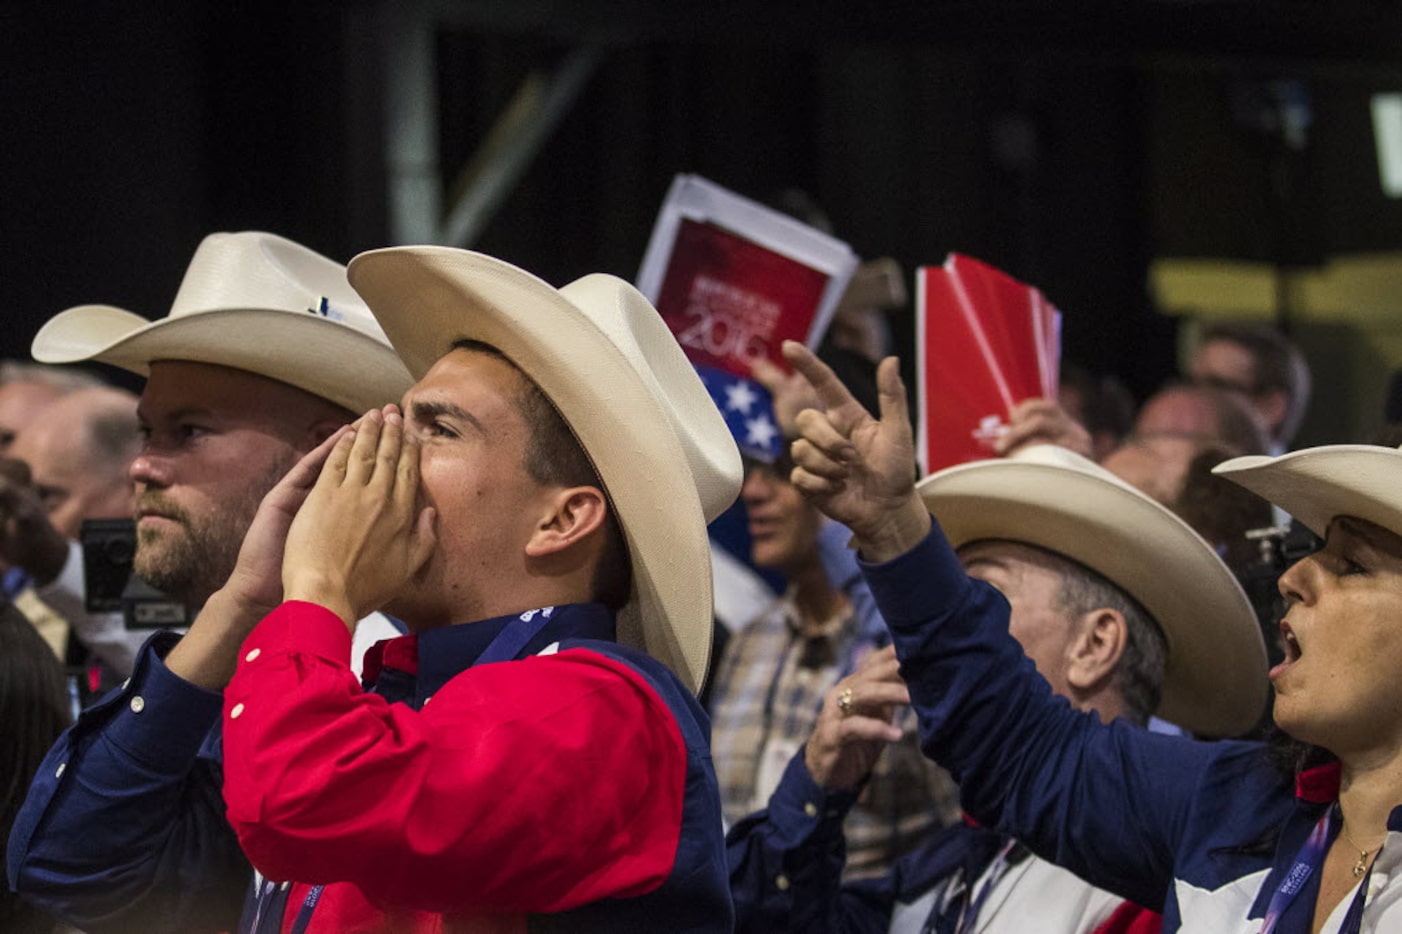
(1089, 566)
(531, 756)
(266, 352)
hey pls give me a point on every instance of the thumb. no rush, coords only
(424, 539)
(895, 409)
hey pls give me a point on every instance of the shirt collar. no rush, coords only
(835, 627)
(822, 648)
(436, 656)
(1319, 785)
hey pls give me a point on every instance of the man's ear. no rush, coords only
(322, 429)
(1100, 641)
(571, 514)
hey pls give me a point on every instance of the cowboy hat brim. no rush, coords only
(337, 363)
(1215, 681)
(664, 484)
(1317, 485)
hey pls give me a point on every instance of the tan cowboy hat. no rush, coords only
(604, 357)
(1315, 485)
(1046, 496)
(252, 301)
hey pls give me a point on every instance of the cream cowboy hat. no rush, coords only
(1215, 683)
(255, 302)
(605, 359)
(1317, 484)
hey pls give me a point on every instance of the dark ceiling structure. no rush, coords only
(1069, 143)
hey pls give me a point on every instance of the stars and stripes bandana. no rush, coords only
(748, 411)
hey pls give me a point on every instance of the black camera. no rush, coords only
(109, 546)
(1278, 547)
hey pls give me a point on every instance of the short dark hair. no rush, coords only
(1222, 511)
(1140, 671)
(554, 457)
(1277, 364)
(1107, 404)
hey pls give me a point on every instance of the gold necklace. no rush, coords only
(1360, 865)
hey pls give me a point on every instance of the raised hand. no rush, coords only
(360, 536)
(855, 723)
(1042, 421)
(207, 654)
(256, 582)
(858, 469)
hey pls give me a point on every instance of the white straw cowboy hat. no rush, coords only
(1215, 682)
(1315, 485)
(609, 364)
(255, 302)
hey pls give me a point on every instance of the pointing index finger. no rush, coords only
(829, 389)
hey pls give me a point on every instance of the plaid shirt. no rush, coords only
(767, 696)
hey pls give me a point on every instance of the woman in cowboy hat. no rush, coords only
(1216, 834)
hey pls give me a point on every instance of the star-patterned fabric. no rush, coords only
(748, 412)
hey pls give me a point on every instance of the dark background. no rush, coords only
(1067, 143)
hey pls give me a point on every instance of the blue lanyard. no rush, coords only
(514, 637)
(304, 916)
(1307, 861)
(968, 917)
(969, 908)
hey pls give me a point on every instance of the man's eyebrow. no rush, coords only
(979, 558)
(175, 414)
(427, 411)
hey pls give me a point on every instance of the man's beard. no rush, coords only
(192, 566)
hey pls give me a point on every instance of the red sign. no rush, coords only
(730, 301)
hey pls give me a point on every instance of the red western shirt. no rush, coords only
(520, 787)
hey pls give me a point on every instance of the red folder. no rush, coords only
(985, 343)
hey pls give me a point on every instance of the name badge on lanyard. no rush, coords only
(1307, 862)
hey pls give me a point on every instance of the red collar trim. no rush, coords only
(400, 653)
(1319, 785)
